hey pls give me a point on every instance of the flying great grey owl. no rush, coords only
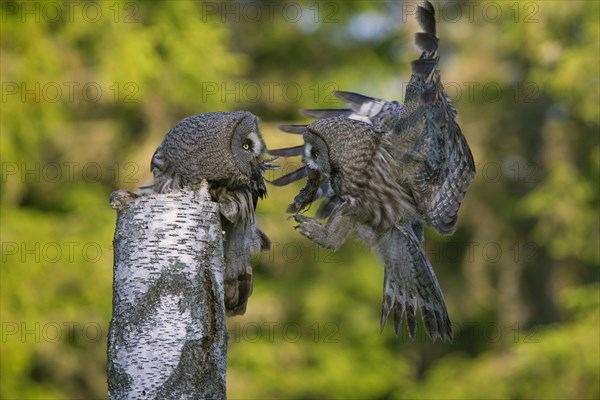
(384, 170)
(226, 149)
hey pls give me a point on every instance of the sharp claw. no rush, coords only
(292, 209)
(300, 217)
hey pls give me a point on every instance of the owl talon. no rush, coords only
(308, 227)
(301, 218)
(120, 198)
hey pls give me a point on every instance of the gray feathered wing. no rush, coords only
(439, 158)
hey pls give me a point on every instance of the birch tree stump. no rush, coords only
(167, 338)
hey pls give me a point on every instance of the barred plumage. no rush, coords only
(389, 169)
(226, 149)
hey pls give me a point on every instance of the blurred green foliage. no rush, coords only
(89, 90)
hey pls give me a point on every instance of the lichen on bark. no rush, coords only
(167, 337)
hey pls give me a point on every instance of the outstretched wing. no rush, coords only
(410, 284)
(441, 163)
(380, 113)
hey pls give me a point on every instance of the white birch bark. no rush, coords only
(167, 338)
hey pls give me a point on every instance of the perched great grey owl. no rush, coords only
(384, 170)
(226, 149)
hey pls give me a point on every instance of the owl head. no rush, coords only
(337, 153)
(225, 148)
(340, 148)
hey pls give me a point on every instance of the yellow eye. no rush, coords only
(247, 145)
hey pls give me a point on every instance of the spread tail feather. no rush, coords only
(410, 284)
